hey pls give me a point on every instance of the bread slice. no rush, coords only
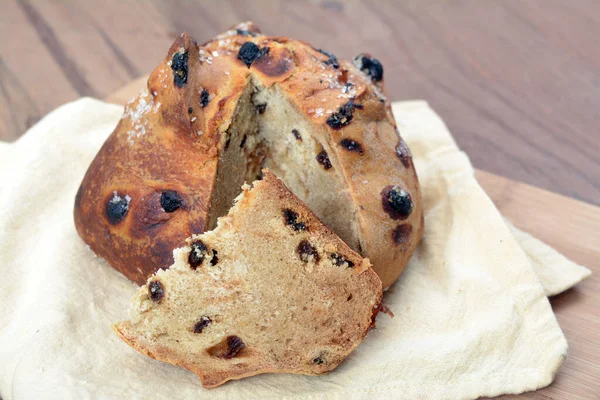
(271, 289)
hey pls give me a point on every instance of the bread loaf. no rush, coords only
(213, 115)
(271, 289)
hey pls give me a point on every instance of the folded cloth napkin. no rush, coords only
(472, 318)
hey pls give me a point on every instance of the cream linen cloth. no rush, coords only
(471, 318)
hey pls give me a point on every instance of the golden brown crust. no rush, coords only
(159, 146)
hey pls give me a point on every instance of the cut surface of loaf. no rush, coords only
(271, 289)
(213, 115)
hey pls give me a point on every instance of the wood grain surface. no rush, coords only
(570, 226)
(517, 82)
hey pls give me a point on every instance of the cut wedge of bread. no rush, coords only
(270, 290)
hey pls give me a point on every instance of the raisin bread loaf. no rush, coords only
(271, 289)
(213, 115)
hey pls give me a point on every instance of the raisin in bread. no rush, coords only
(271, 289)
(213, 115)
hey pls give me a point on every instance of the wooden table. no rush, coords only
(518, 84)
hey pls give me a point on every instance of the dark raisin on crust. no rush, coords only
(243, 32)
(323, 159)
(396, 202)
(296, 134)
(202, 323)
(261, 108)
(190, 110)
(179, 65)
(156, 291)
(197, 253)
(204, 98)
(343, 116)
(249, 52)
(117, 208)
(214, 260)
(234, 346)
(351, 145)
(319, 360)
(307, 252)
(401, 234)
(170, 201)
(243, 142)
(339, 260)
(331, 60)
(291, 219)
(403, 153)
(370, 66)
(227, 348)
(227, 143)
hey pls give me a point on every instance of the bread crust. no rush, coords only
(158, 145)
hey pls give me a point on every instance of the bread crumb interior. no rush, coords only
(268, 131)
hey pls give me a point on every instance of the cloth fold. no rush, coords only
(472, 318)
(555, 272)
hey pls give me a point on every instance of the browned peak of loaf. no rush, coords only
(271, 289)
(213, 116)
